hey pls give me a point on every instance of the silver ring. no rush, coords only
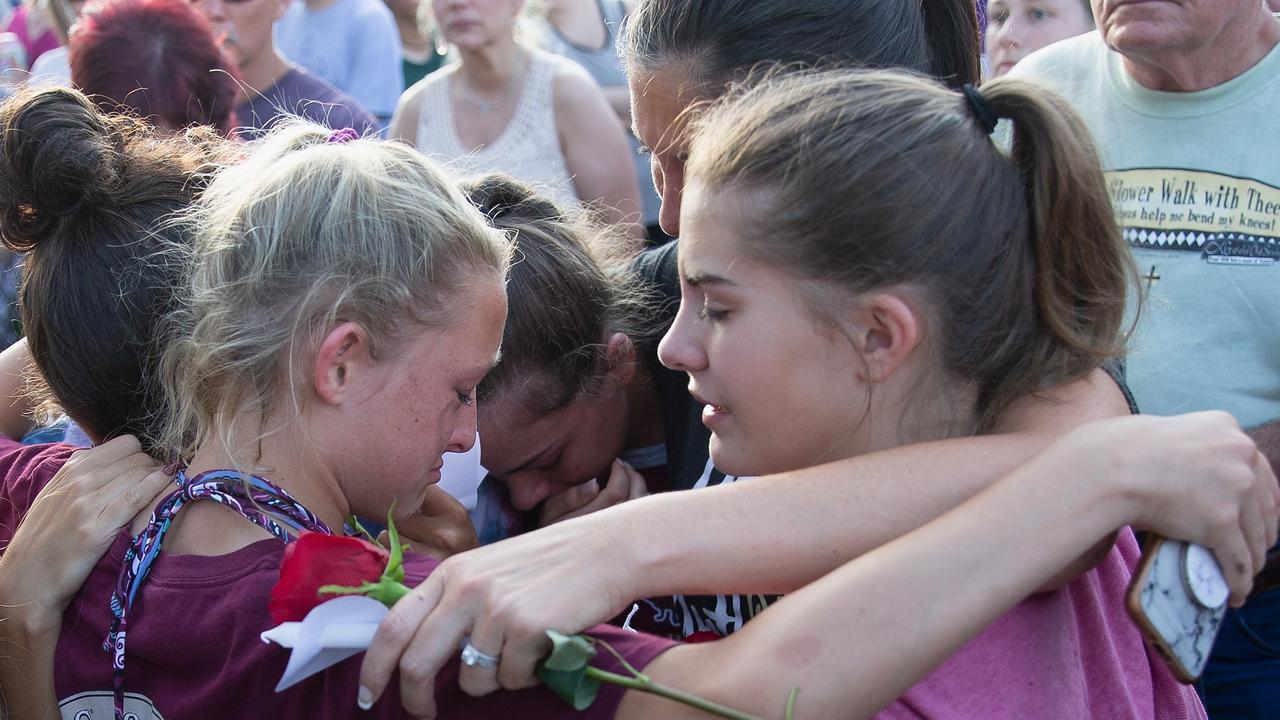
(474, 657)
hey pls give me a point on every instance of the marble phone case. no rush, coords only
(1160, 603)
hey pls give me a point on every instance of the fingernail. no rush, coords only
(364, 699)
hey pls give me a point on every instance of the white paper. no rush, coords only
(333, 631)
(461, 475)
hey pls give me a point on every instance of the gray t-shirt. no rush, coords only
(1196, 189)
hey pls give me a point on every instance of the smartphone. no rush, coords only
(1178, 599)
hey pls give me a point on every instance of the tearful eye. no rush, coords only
(710, 315)
(467, 398)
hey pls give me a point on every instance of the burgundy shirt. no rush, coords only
(193, 645)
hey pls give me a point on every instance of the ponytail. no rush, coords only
(1018, 256)
(1080, 285)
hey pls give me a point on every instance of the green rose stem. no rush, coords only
(567, 672)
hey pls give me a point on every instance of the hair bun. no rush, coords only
(504, 200)
(58, 156)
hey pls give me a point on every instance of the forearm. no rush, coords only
(843, 640)
(15, 401)
(26, 670)
(819, 518)
(1268, 439)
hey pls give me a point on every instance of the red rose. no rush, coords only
(315, 560)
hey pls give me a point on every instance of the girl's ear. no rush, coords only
(341, 360)
(620, 359)
(889, 330)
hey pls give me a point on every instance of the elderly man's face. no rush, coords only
(1152, 27)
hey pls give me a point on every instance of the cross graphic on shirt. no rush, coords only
(1151, 277)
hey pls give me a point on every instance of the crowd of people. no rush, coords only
(830, 355)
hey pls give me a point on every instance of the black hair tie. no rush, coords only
(981, 110)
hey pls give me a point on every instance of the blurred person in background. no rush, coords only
(42, 25)
(353, 44)
(1017, 28)
(273, 87)
(586, 32)
(420, 47)
(507, 107)
(156, 58)
(54, 66)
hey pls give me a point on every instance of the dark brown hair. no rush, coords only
(567, 290)
(873, 180)
(720, 41)
(86, 196)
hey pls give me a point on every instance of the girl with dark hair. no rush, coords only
(556, 410)
(157, 58)
(86, 198)
(724, 40)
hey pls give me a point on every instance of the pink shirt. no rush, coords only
(35, 46)
(1071, 654)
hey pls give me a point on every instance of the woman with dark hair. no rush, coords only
(157, 58)
(86, 198)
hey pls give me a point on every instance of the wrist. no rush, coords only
(638, 548)
(27, 628)
(1099, 495)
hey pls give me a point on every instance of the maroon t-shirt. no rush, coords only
(193, 644)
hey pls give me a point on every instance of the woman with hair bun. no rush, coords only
(87, 199)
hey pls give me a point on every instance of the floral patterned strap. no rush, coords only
(257, 499)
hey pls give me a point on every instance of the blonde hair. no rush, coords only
(302, 235)
(884, 179)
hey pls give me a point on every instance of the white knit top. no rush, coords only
(528, 149)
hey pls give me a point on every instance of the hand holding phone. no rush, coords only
(1178, 598)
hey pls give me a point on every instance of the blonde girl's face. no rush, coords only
(423, 405)
(1017, 28)
(779, 388)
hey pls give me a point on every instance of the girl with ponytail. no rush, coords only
(863, 271)
(861, 259)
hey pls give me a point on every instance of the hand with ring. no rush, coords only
(473, 656)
